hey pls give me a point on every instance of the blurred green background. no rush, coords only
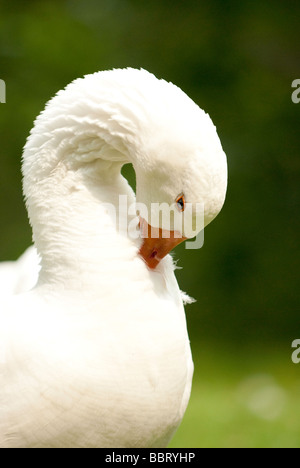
(237, 60)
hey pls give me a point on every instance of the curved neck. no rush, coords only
(71, 172)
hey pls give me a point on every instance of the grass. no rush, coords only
(242, 399)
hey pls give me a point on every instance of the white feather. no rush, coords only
(21, 275)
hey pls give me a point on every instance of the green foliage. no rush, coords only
(242, 399)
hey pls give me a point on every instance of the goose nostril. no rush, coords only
(153, 254)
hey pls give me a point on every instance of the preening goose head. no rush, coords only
(181, 169)
(97, 124)
(182, 178)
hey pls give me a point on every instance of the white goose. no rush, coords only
(97, 354)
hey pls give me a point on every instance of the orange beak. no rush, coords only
(157, 243)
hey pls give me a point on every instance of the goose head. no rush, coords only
(181, 175)
(82, 139)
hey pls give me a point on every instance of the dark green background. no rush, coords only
(237, 60)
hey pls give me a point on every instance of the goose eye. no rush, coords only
(180, 202)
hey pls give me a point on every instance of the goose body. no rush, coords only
(97, 354)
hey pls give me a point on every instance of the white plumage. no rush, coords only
(19, 276)
(97, 354)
